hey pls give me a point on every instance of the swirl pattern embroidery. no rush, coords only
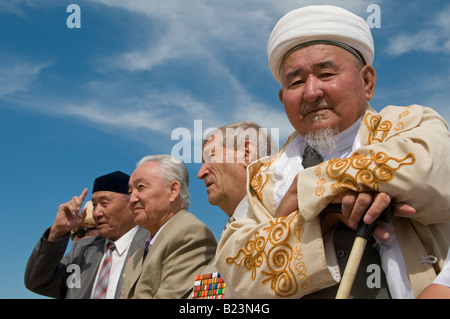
(364, 172)
(260, 178)
(273, 248)
(360, 172)
(377, 130)
(258, 182)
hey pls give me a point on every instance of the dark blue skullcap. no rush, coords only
(116, 182)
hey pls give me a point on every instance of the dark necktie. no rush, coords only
(311, 157)
(147, 247)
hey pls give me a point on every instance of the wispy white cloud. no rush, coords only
(220, 43)
(157, 113)
(186, 29)
(16, 6)
(17, 76)
(433, 36)
(129, 119)
(210, 35)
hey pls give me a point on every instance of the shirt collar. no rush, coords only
(152, 238)
(241, 209)
(123, 242)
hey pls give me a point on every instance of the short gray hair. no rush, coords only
(171, 170)
(241, 132)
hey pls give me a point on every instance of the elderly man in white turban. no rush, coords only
(322, 57)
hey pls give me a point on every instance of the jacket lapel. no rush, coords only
(94, 254)
(133, 272)
(138, 242)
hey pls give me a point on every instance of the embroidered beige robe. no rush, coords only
(405, 152)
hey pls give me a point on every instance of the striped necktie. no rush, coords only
(103, 277)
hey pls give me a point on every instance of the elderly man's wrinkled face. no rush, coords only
(111, 214)
(150, 197)
(325, 86)
(224, 176)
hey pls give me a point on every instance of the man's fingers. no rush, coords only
(360, 207)
(380, 233)
(369, 206)
(64, 208)
(348, 201)
(83, 195)
(73, 206)
(403, 210)
(77, 201)
(380, 203)
(83, 215)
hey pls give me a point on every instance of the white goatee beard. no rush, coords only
(323, 139)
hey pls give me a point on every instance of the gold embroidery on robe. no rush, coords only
(260, 178)
(360, 172)
(363, 172)
(413, 123)
(377, 130)
(272, 249)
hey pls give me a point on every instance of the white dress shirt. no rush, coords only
(119, 256)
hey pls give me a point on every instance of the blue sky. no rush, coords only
(79, 103)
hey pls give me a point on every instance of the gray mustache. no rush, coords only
(318, 104)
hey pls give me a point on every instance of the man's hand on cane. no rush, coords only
(367, 205)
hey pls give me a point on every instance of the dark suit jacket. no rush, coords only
(47, 274)
(180, 251)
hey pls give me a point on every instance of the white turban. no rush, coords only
(323, 24)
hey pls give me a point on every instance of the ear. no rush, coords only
(251, 152)
(174, 188)
(280, 95)
(369, 76)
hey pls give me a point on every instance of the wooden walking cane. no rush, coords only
(363, 233)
